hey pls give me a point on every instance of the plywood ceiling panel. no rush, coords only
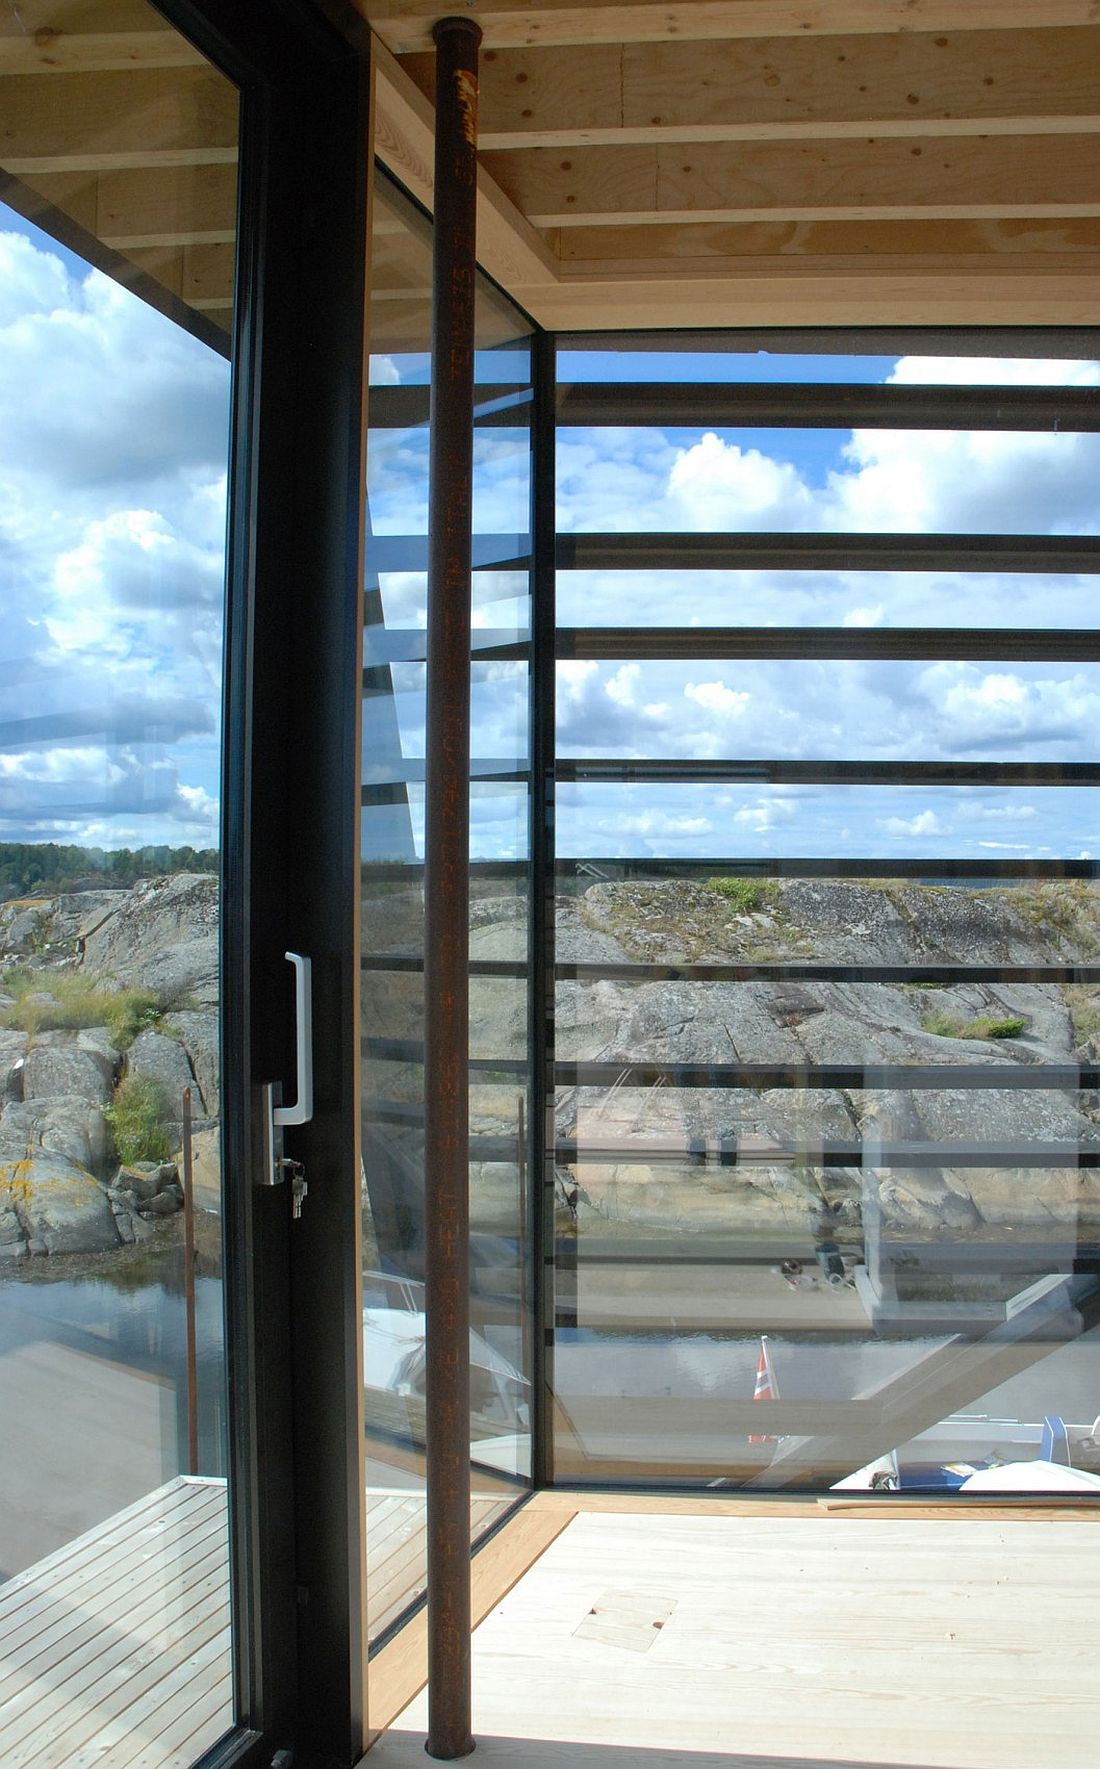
(856, 161)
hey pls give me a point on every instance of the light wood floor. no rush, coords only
(706, 1641)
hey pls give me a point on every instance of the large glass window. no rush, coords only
(393, 918)
(116, 258)
(828, 921)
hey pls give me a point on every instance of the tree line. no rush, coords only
(49, 868)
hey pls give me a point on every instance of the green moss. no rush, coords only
(1084, 1011)
(945, 1025)
(137, 1116)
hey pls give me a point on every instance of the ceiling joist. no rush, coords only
(968, 83)
(405, 25)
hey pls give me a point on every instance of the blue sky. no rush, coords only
(113, 439)
(113, 435)
(660, 478)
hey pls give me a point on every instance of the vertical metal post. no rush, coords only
(543, 900)
(189, 1289)
(446, 891)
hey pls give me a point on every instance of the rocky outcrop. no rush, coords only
(164, 938)
(49, 1204)
(62, 1189)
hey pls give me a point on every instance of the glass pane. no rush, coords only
(906, 822)
(1036, 601)
(827, 995)
(392, 908)
(116, 268)
(788, 710)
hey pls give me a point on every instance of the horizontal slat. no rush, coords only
(1017, 343)
(401, 408)
(411, 1050)
(637, 1152)
(869, 1077)
(982, 644)
(827, 405)
(829, 773)
(873, 178)
(491, 552)
(768, 88)
(946, 976)
(587, 871)
(406, 24)
(826, 552)
(386, 645)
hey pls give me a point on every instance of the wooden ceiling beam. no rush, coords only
(629, 301)
(95, 52)
(865, 179)
(972, 82)
(202, 276)
(117, 121)
(162, 206)
(49, 20)
(698, 248)
(405, 25)
(508, 246)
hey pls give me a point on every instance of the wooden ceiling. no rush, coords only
(776, 162)
(118, 138)
(644, 163)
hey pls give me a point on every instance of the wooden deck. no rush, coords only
(115, 1649)
(396, 1548)
(688, 1639)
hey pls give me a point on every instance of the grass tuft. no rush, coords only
(137, 1117)
(945, 1025)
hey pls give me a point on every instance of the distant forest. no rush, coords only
(43, 869)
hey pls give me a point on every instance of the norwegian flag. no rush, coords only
(766, 1387)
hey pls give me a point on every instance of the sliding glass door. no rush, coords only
(118, 215)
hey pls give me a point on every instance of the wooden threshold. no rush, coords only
(570, 1502)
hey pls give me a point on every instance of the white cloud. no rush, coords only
(995, 371)
(720, 485)
(924, 823)
(620, 687)
(715, 697)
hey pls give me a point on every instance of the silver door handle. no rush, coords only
(302, 1110)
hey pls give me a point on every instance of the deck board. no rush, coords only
(97, 1639)
(946, 1642)
(115, 1649)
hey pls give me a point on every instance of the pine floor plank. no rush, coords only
(889, 1643)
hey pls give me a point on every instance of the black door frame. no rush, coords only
(290, 845)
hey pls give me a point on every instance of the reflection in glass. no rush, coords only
(827, 994)
(392, 1012)
(114, 388)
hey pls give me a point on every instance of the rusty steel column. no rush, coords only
(447, 891)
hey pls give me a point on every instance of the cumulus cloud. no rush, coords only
(717, 698)
(924, 823)
(113, 446)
